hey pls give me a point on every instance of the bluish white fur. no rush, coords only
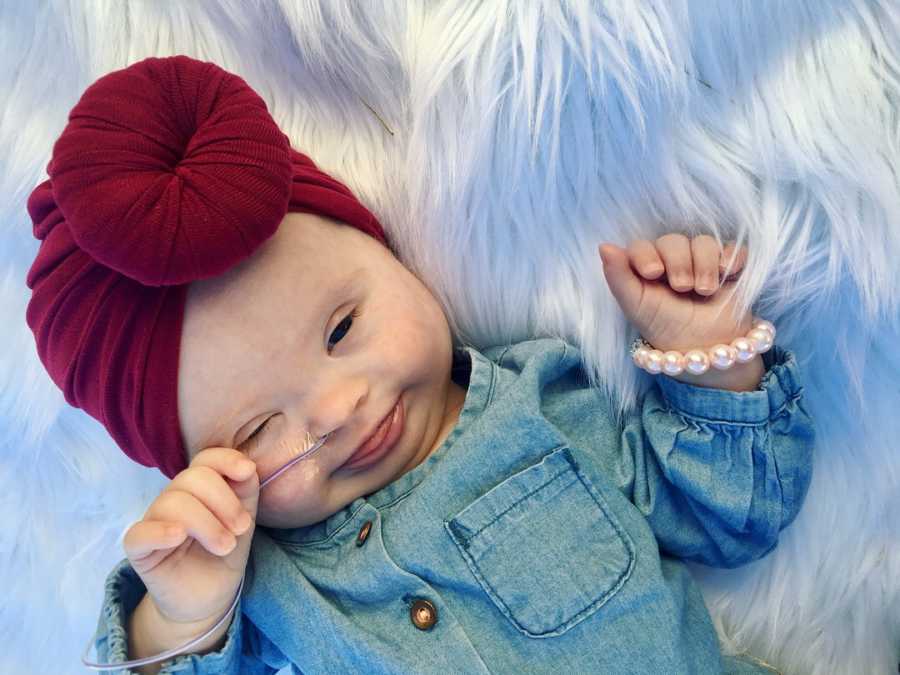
(500, 143)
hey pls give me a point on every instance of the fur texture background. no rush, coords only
(500, 143)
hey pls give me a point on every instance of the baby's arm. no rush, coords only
(719, 463)
(718, 474)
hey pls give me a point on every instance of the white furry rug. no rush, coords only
(500, 143)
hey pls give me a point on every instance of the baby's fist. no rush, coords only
(672, 289)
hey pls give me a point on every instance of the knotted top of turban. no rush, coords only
(168, 171)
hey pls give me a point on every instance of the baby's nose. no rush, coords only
(338, 405)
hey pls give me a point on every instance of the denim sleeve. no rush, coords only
(717, 473)
(246, 650)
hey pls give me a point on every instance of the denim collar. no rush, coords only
(482, 380)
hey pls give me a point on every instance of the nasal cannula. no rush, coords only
(303, 455)
(178, 650)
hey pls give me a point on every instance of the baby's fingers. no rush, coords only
(209, 486)
(230, 464)
(737, 264)
(645, 260)
(706, 257)
(180, 507)
(147, 537)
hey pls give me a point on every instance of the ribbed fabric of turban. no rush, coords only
(168, 171)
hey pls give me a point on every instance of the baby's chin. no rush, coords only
(285, 522)
(288, 520)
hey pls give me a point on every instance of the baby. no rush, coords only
(469, 511)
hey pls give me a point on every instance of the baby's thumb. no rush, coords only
(248, 492)
(624, 284)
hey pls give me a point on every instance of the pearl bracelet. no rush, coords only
(697, 361)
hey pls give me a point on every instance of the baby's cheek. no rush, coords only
(425, 337)
(393, 344)
(413, 357)
(297, 497)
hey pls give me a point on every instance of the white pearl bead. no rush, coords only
(761, 339)
(744, 348)
(696, 361)
(722, 357)
(640, 356)
(653, 363)
(673, 363)
(765, 325)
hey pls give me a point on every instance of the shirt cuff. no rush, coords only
(780, 384)
(124, 590)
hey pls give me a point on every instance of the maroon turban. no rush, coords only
(168, 171)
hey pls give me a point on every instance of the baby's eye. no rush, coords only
(343, 328)
(257, 432)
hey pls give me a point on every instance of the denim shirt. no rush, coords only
(539, 537)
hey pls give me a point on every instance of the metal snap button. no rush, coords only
(363, 533)
(423, 614)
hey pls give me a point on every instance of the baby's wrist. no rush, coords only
(737, 366)
(151, 633)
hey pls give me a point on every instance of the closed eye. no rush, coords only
(255, 435)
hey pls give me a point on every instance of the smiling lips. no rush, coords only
(381, 441)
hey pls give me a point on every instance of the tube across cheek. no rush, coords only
(288, 456)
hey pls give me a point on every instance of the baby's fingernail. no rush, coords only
(242, 523)
(706, 284)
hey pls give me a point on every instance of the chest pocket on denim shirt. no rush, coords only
(545, 546)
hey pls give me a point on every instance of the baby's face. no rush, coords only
(271, 340)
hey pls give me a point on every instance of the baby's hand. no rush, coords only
(192, 545)
(655, 283)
